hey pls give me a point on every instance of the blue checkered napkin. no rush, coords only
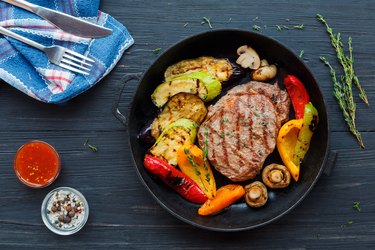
(29, 70)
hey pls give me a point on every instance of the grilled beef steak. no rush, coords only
(240, 130)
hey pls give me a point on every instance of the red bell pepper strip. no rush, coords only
(175, 179)
(298, 95)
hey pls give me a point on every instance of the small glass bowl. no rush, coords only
(55, 221)
(51, 149)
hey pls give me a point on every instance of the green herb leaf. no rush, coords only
(93, 148)
(186, 151)
(191, 161)
(208, 177)
(356, 206)
(197, 172)
(299, 27)
(207, 21)
(348, 223)
(256, 27)
(301, 53)
(156, 51)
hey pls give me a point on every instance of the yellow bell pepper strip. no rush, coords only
(191, 162)
(225, 196)
(286, 142)
(310, 122)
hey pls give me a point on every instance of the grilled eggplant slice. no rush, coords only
(181, 105)
(221, 68)
(202, 84)
(177, 134)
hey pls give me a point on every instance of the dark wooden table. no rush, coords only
(123, 214)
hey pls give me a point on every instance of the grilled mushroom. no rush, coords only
(265, 72)
(256, 194)
(248, 57)
(276, 176)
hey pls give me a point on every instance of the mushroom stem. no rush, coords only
(254, 193)
(276, 176)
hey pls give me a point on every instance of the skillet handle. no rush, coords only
(115, 108)
(330, 163)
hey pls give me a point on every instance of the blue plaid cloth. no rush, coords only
(29, 70)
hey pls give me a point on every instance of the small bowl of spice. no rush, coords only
(65, 211)
(37, 164)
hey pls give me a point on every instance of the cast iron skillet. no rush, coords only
(224, 43)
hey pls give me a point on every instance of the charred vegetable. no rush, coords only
(310, 122)
(265, 72)
(145, 134)
(192, 162)
(256, 194)
(237, 73)
(181, 105)
(202, 84)
(225, 196)
(175, 179)
(298, 94)
(276, 176)
(222, 69)
(175, 135)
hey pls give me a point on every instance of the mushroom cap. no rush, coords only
(264, 73)
(276, 176)
(256, 194)
(248, 57)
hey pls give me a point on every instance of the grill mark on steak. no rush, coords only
(280, 98)
(223, 141)
(264, 134)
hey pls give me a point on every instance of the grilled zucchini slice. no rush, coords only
(177, 134)
(181, 105)
(202, 84)
(222, 69)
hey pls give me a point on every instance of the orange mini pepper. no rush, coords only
(225, 196)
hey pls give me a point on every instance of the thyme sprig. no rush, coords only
(285, 27)
(342, 86)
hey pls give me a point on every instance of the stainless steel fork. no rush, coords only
(58, 55)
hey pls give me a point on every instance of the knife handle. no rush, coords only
(22, 4)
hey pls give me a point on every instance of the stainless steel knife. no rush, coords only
(63, 21)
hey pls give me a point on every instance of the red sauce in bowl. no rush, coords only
(37, 164)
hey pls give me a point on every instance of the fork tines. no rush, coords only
(76, 62)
